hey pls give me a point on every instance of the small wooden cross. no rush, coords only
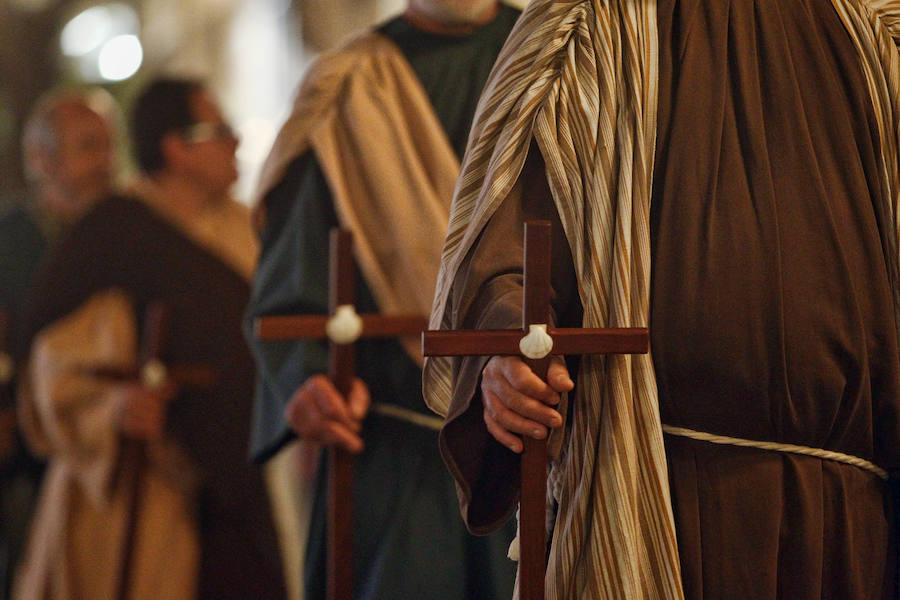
(535, 348)
(151, 372)
(156, 325)
(342, 327)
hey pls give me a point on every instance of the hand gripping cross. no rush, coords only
(342, 327)
(535, 342)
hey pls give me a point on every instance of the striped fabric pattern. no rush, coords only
(580, 77)
(874, 27)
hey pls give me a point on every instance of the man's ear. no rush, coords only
(172, 148)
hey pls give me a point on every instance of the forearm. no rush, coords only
(488, 295)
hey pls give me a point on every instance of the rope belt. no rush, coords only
(777, 447)
(409, 416)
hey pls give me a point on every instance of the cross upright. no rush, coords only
(151, 373)
(535, 343)
(342, 326)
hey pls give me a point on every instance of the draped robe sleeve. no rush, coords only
(488, 293)
(772, 228)
(284, 284)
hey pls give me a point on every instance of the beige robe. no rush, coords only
(393, 196)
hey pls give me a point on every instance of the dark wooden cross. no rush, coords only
(341, 371)
(535, 311)
(150, 372)
(134, 452)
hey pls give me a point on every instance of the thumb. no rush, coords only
(358, 400)
(558, 375)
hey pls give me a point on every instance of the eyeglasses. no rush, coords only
(207, 131)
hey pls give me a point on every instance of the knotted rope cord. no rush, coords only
(778, 447)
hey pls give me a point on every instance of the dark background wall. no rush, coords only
(26, 68)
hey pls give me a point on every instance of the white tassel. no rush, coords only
(513, 552)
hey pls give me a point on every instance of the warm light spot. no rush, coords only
(120, 58)
(86, 31)
(101, 42)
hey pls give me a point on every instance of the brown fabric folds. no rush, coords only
(580, 78)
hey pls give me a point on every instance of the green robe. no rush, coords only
(409, 540)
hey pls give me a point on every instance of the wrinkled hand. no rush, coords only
(516, 401)
(319, 413)
(143, 411)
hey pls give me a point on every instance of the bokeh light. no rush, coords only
(101, 42)
(120, 58)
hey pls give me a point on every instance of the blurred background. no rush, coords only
(251, 52)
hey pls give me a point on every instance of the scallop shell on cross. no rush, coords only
(537, 344)
(345, 326)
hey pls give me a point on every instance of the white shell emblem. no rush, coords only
(537, 344)
(154, 374)
(345, 326)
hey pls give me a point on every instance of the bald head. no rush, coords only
(67, 147)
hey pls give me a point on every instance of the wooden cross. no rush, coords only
(341, 371)
(134, 452)
(151, 372)
(535, 312)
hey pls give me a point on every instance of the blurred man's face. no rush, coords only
(211, 144)
(81, 168)
(453, 12)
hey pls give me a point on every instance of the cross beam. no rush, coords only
(341, 371)
(565, 341)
